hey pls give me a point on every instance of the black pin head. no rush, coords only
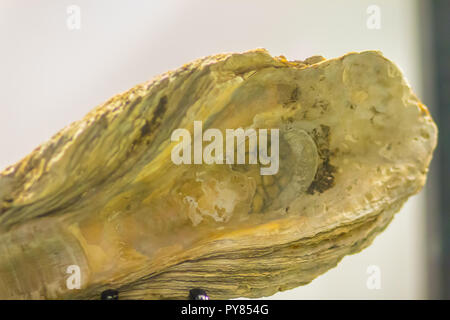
(110, 295)
(198, 294)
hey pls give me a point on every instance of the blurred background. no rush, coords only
(59, 59)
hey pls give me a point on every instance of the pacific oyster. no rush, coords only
(103, 193)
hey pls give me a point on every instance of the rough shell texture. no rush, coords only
(103, 193)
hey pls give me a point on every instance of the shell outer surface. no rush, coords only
(104, 194)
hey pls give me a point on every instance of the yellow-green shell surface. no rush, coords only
(103, 193)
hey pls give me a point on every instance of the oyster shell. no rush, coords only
(103, 193)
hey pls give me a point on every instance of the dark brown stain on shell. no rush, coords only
(324, 178)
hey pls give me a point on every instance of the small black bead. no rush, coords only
(110, 295)
(198, 294)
